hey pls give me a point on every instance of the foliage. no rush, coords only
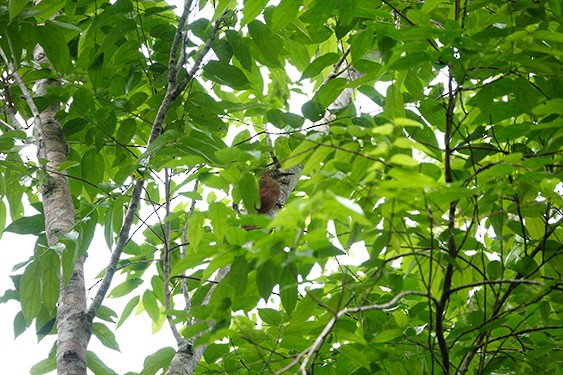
(451, 188)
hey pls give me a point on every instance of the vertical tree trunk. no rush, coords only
(73, 333)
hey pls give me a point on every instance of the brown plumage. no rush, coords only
(269, 193)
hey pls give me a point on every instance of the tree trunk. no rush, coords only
(73, 333)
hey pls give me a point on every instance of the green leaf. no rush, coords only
(165, 139)
(344, 206)
(215, 351)
(20, 324)
(127, 310)
(151, 306)
(50, 265)
(86, 230)
(315, 160)
(159, 360)
(387, 336)
(402, 159)
(360, 44)
(270, 316)
(126, 130)
(269, 45)
(202, 144)
(53, 41)
(354, 356)
(494, 269)
(106, 314)
(2, 217)
(219, 215)
(222, 5)
(240, 49)
(28, 225)
(135, 101)
(195, 229)
(45, 366)
(105, 335)
(238, 276)
(554, 106)
(97, 366)
(328, 93)
(288, 289)
(125, 288)
(410, 179)
(394, 105)
(15, 7)
(525, 266)
(30, 291)
(282, 119)
(411, 60)
(292, 120)
(252, 8)
(316, 67)
(248, 187)
(265, 280)
(9, 295)
(313, 111)
(69, 257)
(284, 13)
(92, 167)
(226, 74)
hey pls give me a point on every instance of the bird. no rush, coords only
(270, 192)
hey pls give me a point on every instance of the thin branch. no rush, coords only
(430, 216)
(172, 93)
(336, 69)
(25, 92)
(122, 240)
(452, 248)
(166, 261)
(184, 277)
(308, 353)
(496, 310)
(11, 113)
(8, 126)
(183, 252)
(403, 16)
(173, 62)
(174, 89)
(197, 63)
(524, 331)
(492, 282)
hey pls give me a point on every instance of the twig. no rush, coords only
(335, 70)
(183, 253)
(466, 360)
(122, 240)
(25, 92)
(311, 350)
(9, 109)
(492, 282)
(172, 93)
(166, 261)
(452, 248)
(403, 16)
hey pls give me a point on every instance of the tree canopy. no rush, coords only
(418, 234)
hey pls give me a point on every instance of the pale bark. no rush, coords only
(72, 330)
(341, 70)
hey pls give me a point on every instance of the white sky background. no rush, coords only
(135, 336)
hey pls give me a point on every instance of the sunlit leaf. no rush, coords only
(105, 335)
